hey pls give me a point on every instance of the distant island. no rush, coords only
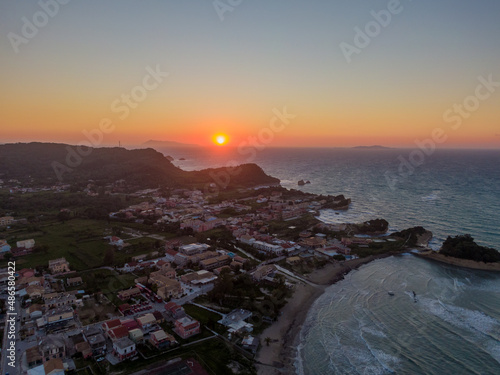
(170, 144)
(374, 147)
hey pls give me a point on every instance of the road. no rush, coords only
(294, 276)
(247, 254)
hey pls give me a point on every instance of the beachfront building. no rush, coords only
(235, 321)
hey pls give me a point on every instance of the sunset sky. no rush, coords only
(228, 72)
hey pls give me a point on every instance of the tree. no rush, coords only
(267, 340)
(109, 257)
(7, 256)
(63, 216)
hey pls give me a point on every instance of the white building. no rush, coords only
(27, 244)
(194, 248)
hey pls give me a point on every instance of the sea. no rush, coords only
(441, 319)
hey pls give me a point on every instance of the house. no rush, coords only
(118, 333)
(58, 265)
(33, 356)
(194, 248)
(162, 277)
(128, 293)
(174, 310)
(35, 291)
(124, 308)
(136, 335)
(124, 348)
(33, 280)
(74, 281)
(161, 340)
(84, 348)
(140, 257)
(235, 321)
(110, 324)
(263, 271)
(6, 220)
(146, 322)
(54, 367)
(198, 278)
(96, 340)
(170, 255)
(115, 241)
(170, 289)
(54, 300)
(35, 311)
(97, 344)
(130, 266)
(313, 242)
(186, 327)
(181, 259)
(52, 347)
(130, 324)
(59, 316)
(25, 272)
(26, 244)
(213, 263)
(4, 247)
(250, 343)
(267, 247)
(159, 317)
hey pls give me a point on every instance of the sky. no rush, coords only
(344, 72)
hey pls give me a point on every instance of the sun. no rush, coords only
(220, 139)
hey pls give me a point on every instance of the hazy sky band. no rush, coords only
(228, 75)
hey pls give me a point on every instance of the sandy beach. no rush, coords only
(279, 356)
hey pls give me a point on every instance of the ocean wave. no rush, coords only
(485, 330)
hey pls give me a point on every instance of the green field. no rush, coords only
(79, 241)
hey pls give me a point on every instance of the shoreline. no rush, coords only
(458, 262)
(279, 357)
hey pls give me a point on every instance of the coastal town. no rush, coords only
(167, 280)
